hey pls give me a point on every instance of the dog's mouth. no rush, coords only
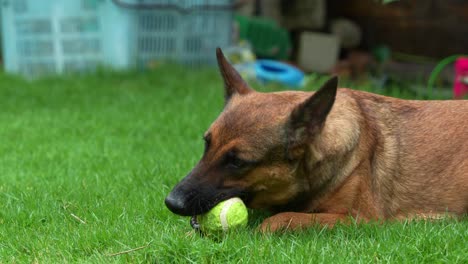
(196, 202)
(246, 198)
(222, 197)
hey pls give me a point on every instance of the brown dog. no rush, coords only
(318, 158)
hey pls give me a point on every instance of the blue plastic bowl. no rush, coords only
(275, 71)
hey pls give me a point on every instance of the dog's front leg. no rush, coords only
(293, 221)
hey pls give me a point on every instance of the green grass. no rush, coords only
(108, 147)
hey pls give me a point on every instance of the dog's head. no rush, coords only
(254, 149)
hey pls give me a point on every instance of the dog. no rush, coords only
(335, 155)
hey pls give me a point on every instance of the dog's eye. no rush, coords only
(207, 140)
(234, 162)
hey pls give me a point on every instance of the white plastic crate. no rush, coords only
(186, 31)
(55, 36)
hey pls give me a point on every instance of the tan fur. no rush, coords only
(411, 160)
(374, 157)
(394, 157)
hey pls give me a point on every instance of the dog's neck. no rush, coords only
(346, 150)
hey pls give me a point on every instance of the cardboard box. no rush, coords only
(318, 52)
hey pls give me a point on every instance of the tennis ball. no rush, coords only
(227, 215)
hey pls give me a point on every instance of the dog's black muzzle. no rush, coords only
(192, 197)
(176, 202)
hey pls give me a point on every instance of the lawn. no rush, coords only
(86, 162)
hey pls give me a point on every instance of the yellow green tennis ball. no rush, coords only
(225, 216)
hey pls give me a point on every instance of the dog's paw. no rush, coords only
(285, 221)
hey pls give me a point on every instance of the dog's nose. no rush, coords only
(175, 204)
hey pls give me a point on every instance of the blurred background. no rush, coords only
(416, 45)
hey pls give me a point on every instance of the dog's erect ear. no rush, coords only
(233, 82)
(307, 119)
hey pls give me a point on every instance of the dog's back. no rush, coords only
(420, 154)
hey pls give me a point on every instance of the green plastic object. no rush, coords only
(438, 68)
(268, 40)
(382, 53)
